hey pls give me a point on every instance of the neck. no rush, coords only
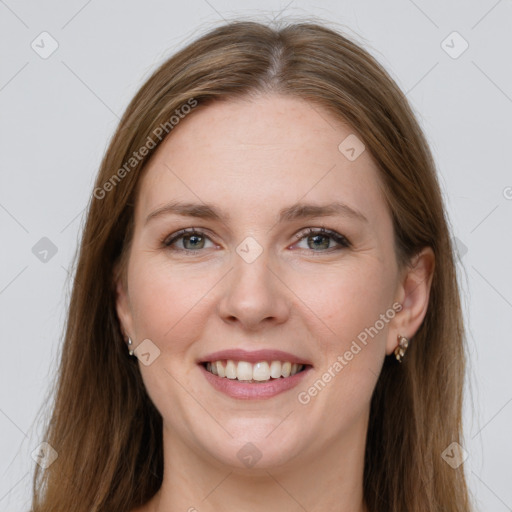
(329, 479)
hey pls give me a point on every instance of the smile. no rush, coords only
(247, 387)
(262, 371)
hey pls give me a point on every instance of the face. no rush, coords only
(254, 272)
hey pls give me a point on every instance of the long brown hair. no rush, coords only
(103, 425)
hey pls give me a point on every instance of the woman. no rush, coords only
(265, 313)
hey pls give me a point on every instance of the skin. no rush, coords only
(251, 158)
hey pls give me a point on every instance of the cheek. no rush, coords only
(346, 301)
(170, 306)
(353, 346)
(168, 302)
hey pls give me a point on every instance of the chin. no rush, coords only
(250, 449)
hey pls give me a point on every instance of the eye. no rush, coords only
(317, 239)
(321, 239)
(192, 240)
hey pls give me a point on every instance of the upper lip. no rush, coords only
(238, 354)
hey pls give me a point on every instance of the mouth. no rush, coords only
(256, 375)
(253, 373)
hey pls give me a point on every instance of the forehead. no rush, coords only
(260, 154)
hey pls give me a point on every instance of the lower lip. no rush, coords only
(255, 390)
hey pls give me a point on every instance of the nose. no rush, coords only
(253, 295)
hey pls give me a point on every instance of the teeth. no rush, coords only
(244, 371)
(220, 369)
(275, 369)
(231, 370)
(262, 371)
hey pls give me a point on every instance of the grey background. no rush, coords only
(58, 113)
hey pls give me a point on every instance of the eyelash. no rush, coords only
(341, 240)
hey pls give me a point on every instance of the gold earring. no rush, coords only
(130, 351)
(401, 348)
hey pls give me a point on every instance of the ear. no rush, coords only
(123, 307)
(413, 294)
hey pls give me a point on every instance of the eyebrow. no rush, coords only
(287, 214)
